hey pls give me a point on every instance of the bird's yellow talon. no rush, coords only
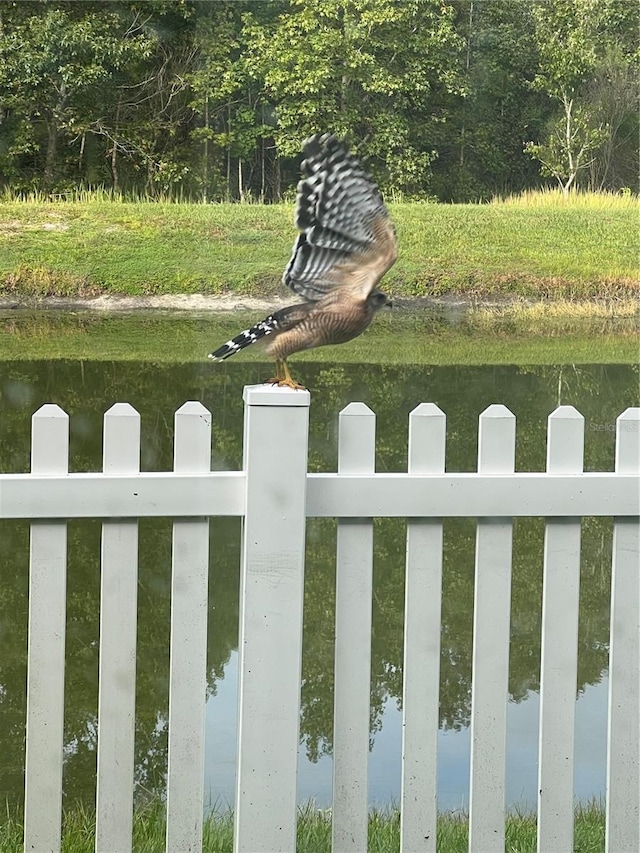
(289, 383)
(283, 378)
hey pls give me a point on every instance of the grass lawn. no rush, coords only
(314, 832)
(539, 246)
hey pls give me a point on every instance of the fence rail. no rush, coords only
(274, 494)
(159, 495)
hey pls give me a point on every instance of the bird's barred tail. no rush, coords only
(244, 339)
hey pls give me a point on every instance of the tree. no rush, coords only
(613, 95)
(55, 61)
(481, 148)
(146, 122)
(570, 144)
(376, 71)
(228, 100)
(572, 36)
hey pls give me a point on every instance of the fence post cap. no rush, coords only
(356, 409)
(50, 410)
(630, 414)
(427, 410)
(273, 395)
(193, 407)
(497, 410)
(566, 413)
(122, 410)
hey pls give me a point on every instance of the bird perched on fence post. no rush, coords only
(346, 244)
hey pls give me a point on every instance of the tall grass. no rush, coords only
(313, 834)
(102, 193)
(90, 195)
(544, 197)
(554, 197)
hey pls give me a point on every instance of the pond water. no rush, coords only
(85, 389)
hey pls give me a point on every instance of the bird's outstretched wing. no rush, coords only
(347, 239)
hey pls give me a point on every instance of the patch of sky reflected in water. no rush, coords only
(315, 779)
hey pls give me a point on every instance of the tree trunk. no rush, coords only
(205, 152)
(568, 111)
(463, 129)
(52, 147)
(262, 156)
(229, 151)
(115, 177)
(81, 154)
(277, 175)
(240, 187)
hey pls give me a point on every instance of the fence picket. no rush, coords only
(270, 644)
(354, 586)
(559, 660)
(623, 751)
(188, 662)
(421, 669)
(46, 649)
(118, 627)
(491, 633)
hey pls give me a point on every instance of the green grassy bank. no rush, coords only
(314, 832)
(537, 246)
(397, 337)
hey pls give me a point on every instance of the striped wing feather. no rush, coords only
(347, 239)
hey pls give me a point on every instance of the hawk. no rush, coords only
(346, 244)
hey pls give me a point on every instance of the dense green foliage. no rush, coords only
(457, 100)
(549, 248)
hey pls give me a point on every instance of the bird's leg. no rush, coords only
(283, 377)
(288, 379)
(277, 379)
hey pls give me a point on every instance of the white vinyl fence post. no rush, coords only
(352, 690)
(421, 670)
(623, 750)
(559, 659)
(118, 630)
(271, 601)
(46, 645)
(491, 634)
(188, 666)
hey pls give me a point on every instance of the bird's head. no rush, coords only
(377, 299)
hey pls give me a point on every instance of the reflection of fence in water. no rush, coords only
(274, 494)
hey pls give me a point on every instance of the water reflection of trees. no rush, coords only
(86, 391)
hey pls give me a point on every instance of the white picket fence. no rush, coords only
(275, 494)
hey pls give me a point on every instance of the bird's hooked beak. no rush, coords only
(388, 304)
